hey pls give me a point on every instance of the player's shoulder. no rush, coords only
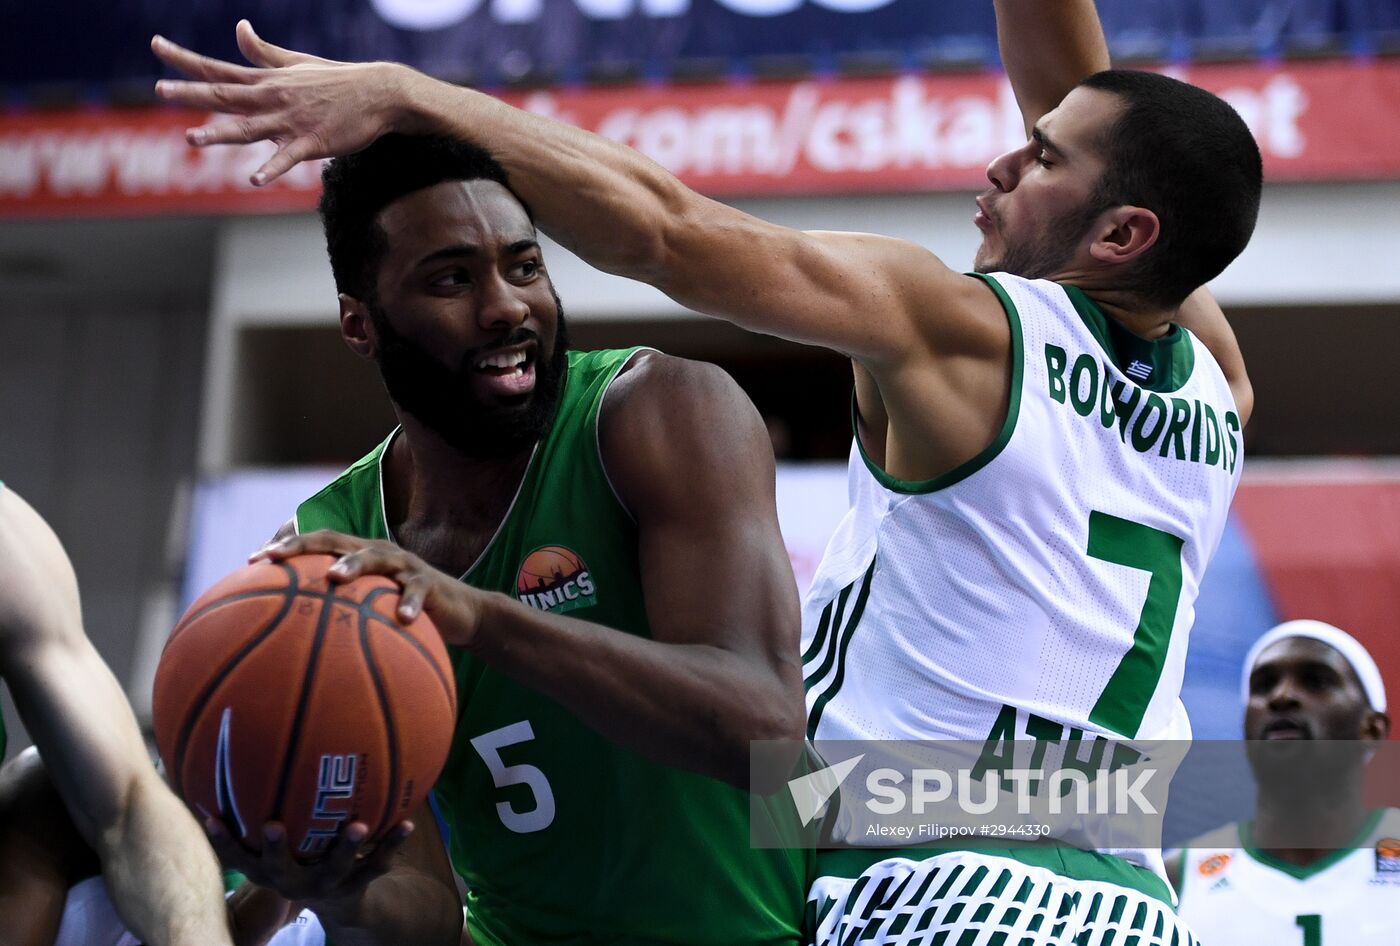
(965, 315)
(653, 386)
(677, 421)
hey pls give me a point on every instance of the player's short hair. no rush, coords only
(356, 187)
(1187, 156)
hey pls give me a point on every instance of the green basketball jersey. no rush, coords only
(561, 835)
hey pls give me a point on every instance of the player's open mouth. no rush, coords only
(507, 372)
(1285, 729)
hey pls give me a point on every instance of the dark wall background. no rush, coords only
(100, 377)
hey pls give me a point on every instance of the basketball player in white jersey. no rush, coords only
(1250, 884)
(1045, 455)
(156, 861)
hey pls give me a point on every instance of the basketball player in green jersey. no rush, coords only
(156, 862)
(595, 536)
(1252, 884)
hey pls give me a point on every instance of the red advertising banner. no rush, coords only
(1328, 120)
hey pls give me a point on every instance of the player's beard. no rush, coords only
(1048, 251)
(442, 398)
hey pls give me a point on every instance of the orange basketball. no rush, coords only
(283, 697)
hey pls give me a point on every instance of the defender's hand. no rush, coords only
(310, 107)
(454, 608)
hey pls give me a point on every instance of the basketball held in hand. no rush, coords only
(284, 697)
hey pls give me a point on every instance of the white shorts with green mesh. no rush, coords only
(965, 898)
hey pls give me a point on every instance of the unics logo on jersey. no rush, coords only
(554, 578)
(1388, 860)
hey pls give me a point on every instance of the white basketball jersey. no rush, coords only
(1234, 895)
(90, 919)
(1047, 584)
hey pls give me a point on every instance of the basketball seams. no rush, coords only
(367, 611)
(386, 713)
(294, 738)
(190, 617)
(289, 594)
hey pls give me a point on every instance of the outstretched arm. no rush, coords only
(1047, 47)
(856, 293)
(156, 862)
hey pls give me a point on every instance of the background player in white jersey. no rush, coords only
(1045, 457)
(153, 855)
(1250, 884)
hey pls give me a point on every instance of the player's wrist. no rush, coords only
(484, 610)
(415, 101)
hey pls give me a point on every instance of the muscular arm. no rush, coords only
(158, 867)
(1047, 47)
(855, 293)
(690, 459)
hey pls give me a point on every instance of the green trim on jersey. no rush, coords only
(562, 835)
(993, 449)
(1305, 871)
(1172, 356)
(1068, 862)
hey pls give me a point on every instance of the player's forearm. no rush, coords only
(161, 872)
(693, 706)
(1047, 47)
(399, 908)
(1206, 320)
(604, 201)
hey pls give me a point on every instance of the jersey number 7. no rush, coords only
(1123, 703)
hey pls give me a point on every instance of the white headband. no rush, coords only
(1336, 638)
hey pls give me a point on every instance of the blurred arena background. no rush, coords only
(172, 380)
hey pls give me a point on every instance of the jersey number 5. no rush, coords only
(489, 745)
(1123, 703)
